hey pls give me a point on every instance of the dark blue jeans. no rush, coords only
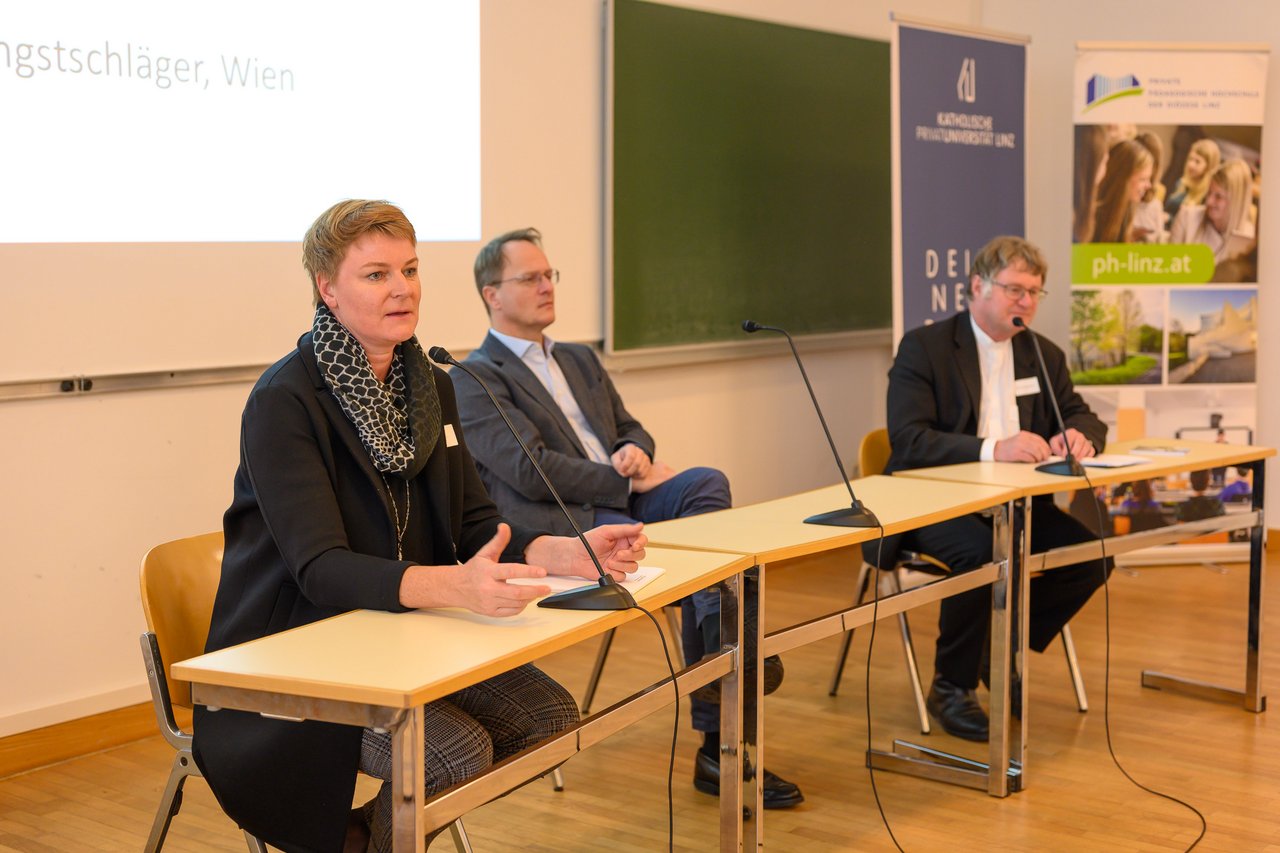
(690, 492)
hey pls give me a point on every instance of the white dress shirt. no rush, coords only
(998, 409)
(547, 369)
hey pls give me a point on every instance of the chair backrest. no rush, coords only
(873, 453)
(179, 581)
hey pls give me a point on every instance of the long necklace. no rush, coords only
(400, 526)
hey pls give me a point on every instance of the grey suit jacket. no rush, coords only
(510, 479)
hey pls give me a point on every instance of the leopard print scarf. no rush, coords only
(399, 421)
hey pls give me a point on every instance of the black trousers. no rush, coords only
(964, 623)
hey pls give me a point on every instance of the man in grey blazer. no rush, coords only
(598, 456)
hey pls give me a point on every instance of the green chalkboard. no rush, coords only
(750, 178)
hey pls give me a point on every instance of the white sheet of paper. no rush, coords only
(1159, 450)
(1113, 460)
(636, 581)
(1107, 460)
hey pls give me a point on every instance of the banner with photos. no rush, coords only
(1167, 194)
(959, 158)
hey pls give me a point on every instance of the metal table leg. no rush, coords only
(1253, 697)
(1003, 773)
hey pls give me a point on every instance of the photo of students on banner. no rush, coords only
(1168, 186)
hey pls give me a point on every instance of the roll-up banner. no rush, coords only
(1166, 196)
(959, 107)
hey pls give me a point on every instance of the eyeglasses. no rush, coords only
(531, 279)
(1017, 291)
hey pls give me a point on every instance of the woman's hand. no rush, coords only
(480, 585)
(619, 547)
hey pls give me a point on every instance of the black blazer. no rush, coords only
(935, 390)
(507, 474)
(309, 535)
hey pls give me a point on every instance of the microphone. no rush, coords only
(1068, 467)
(607, 594)
(857, 515)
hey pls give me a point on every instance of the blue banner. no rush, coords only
(962, 163)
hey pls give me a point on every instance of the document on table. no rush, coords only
(1159, 450)
(635, 581)
(1107, 460)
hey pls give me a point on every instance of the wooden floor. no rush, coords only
(1187, 620)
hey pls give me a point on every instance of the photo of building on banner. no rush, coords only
(1166, 200)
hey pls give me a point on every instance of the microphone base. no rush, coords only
(1063, 468)
(852, 516)
(605, 596)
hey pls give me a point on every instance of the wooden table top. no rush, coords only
(775, 530)
(402, 660)
(1030, 482)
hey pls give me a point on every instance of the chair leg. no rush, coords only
(594, 681)
(460, 841)
(845, 644)
(557, 780)
(170, 800)
(913, 672)
(1073, 667)
(255, 845)
(892, 586)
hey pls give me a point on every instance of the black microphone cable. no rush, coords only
(441, 355)
(1106, 684)
(874, 576)
(1074, 467)
(862, 517)
(675, 732)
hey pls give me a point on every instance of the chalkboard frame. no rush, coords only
(821, 268)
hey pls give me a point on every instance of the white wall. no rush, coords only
(89, 484)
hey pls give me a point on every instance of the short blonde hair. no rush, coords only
(1002, 253)
(333, 232)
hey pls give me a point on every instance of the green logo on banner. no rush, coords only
(1139, 263)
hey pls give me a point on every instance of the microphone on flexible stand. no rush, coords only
(608, 594)
(1069, 467)
(856, 515)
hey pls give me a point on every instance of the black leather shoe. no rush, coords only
(778, 792)
(957, 710)
(773, 674)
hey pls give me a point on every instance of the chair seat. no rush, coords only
(912, 570)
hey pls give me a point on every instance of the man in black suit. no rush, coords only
(596, 454)
(969, 388)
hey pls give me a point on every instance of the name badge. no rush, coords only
(1028, 385)
(450, 437)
